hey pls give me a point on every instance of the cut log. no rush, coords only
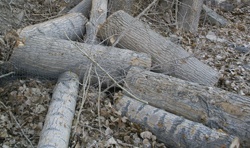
(189, 14)
(97, 17)
(57, 126)
(125, 5)
(211, 106)
(83, 7)
(170, 58)
(70, 26)
(172, 130)
(48, 57)
(214, 18)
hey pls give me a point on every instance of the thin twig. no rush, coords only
(7, 74)
(99, 100)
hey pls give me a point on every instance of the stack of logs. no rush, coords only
(183, 110)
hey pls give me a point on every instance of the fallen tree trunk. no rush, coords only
(211, 106)
(70, 26)
(172, 130)
(83, 7)
(57, 125)
(189, 14)
(48, 57)
(168, 57)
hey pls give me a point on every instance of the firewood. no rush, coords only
(49, 57)
(211, 106)
(172, 130)
(70, 26)
(167, 57)
(83, 7)
(57, 126)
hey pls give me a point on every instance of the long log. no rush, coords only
(70, 26)
(49, 57)
(168, 57)
(57, 126)
(211, 106)
(172, 130)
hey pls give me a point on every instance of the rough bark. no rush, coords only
(97, 17)
(173, 130)
(70, 26)
(211, 106)
(48, 57)
(83, 7)
(168, 57)
(189, 14)
(125, 5)
(57, 126)
(214, 18)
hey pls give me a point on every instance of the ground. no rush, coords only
(24, 101)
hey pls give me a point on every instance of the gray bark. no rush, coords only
(168, 57)
(49, 57)
(70, 26)
(57, 126)
(211, 106)
(97, 17)
(172, 130)
(83, 7)
(189, 14)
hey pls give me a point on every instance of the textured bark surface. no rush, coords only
(49, 57)
(97, 17)
(173, 130)
(125, 5)
(213, 17)
(211, 106)
(83, 7)
(57, 126)
(168, 58)
(70, 26)
(189, 14)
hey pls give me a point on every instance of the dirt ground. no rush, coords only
(24, 101)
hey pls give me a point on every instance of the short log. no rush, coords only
(83, 7)
(49, 57)
(70, 26)
(172, 130)
(168, 58)
(211, 106)
(57, 126)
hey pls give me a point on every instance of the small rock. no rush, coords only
(146, 135)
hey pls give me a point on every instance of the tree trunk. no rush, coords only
(170, 58)
(70, 26)
(211, 106)
(48, 57)
(172, 130)
(125, 5)
(57, 126)
(97, 17)
(189, 14)
(83, 7)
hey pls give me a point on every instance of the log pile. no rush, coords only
(185, 109)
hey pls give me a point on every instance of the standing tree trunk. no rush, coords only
(189, 14)
(168, 58)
